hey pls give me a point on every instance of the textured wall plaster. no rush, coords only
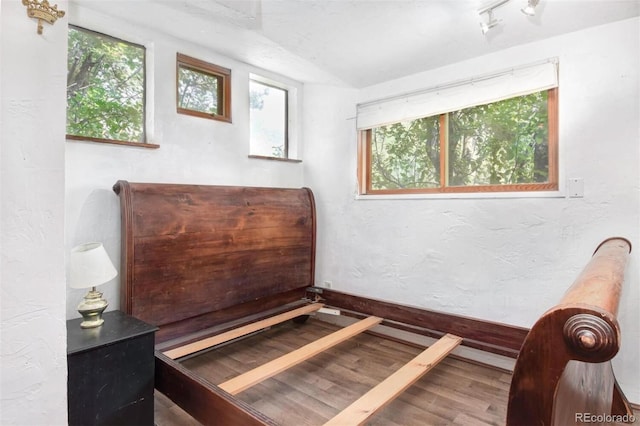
(33, 335)
(192, 150)
(505, 260)
(502, 260)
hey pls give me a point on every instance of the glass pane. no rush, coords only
(502, 143)
(268, 116)
(199, 91)
(105, 87)
(406, 155)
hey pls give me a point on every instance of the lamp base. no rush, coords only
(91, 309)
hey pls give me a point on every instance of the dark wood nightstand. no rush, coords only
(111, 370)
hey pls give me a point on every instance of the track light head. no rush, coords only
(485, 26)
(530, 8)
(490, 23)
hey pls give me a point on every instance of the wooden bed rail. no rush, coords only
(563, 372)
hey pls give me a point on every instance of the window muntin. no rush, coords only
(268, 110)
(510, 145)
(105, 88)
(203, 89)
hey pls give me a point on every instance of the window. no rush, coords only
(501, 146)
(268, 109)
(105, 88)
(203, 89)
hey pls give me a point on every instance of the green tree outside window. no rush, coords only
(497, 144)
(105, 87)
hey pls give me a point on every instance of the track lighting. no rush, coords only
(490, 21)
(530, 8)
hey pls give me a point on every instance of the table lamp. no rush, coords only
(90, 266)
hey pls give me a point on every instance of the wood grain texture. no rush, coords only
(489, 336)
(208, 342)
(201, 399)
(192, 250)
(195, 257)
(564, 364)
(454, 392)
(214, 322)
(387, 390)
(270, 369)
(600, 282)
(311, 393)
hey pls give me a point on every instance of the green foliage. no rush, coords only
(199, 91)
(501, 143)
(406, 155)
(105, 87)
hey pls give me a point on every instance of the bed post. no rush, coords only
(563, 370)
(123, 190)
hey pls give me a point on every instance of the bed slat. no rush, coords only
(240, 331)
(278, 365)
(387, 390)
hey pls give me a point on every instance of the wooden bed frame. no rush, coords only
(209, 264)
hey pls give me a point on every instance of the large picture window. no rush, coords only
(105, 88)
(507, 145)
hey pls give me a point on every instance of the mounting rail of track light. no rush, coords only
(491, 21)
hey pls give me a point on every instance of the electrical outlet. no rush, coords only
(327, 284)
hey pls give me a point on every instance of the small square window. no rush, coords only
(203, 89)
(268, 108)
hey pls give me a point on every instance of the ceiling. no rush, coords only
(358, 43)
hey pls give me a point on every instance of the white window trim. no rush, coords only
(464, 195)
(294, 151)
(94, 21)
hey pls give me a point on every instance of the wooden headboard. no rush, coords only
(194, 255)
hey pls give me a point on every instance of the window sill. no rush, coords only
(464, 195)
(71, 138)
(286, 160)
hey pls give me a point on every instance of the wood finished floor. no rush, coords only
(455, 392)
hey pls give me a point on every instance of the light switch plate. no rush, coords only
(575, 188)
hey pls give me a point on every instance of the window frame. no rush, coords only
(364, 163)
(274, 85)
(293, 91)
(224, 89)
(144, 143)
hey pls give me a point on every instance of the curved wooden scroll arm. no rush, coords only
(562, 367)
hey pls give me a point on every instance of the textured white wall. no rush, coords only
(502, 260)
(33, 357)
(505, 260)
(192, 150)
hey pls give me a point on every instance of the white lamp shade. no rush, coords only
(90, 266)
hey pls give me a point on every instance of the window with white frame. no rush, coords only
(269, 118)
(495, 133)
(105, 89)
